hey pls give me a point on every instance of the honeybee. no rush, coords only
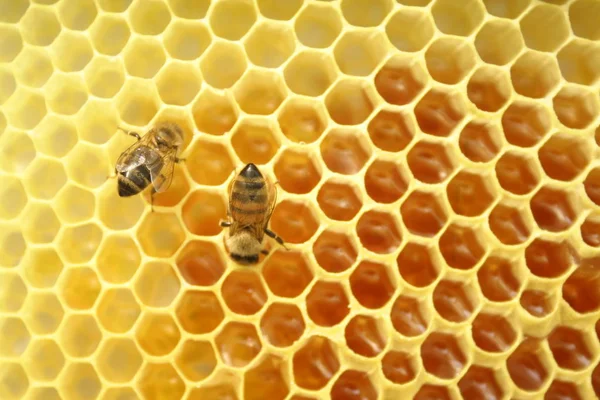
(150, 160)
(252, 199)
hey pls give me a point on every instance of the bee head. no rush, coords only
(169, 135)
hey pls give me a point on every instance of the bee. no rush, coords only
(252, 199)
(150, 160)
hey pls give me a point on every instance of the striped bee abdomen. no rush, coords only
(249, 195)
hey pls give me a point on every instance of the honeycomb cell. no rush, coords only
(15, 337)
(439, 112)
(537, 303)
(429, 391)
(569, 348)
(449, 60)
(354, 12)
(270, 44)
(13, 292)
(196, 359)
(525, 123)
(79, 243)
(41, 224)
(499, 42)
(213, 113)
(430, 161)
(223, 53)
(186, 40)
(526, 367)
(79, 335)
(344, 151)
(77, 15)
(114, 5)
(200, 263)
(118, 259)
(549, 259)
(254, 140)
(24, 110)
(8, 84)
(12, 247)
(42, 312)
(202, 212)
(67, 94)
(443, 355)
(267, 380)
(363, 336)
(149, 17)
(454, 301)
(160, 381)
(339, 200)
(199, 312)
(274, 10)
(178, 83)
(479, 141)
(32, 67)
(581, 15)
(310, 73)
(423, 214)
(55, 136)
(160, 234)
(553, 209)
(592, 185)
(498, 279)
(118, 360)
(296, 171)
(117, 310)
(349, 103)
(147, 49)
(489, 89)
(371, 284)
(97, 119)
(545, 28)
(109, 34)
(378, 232)
(462, 246)
(470, 193)
(562, 390)
(282, 324)
(399, 367)
(157, 284)
(453, 19)
(13, 198)
(576, 108)
(353, 384)
(232, 19)
(80, 288)
(287, 273)
(407, 316)
(318, 25)
(516, 173)
(409, 29)
(580, 290)
(13, 381)
(493, 333)
(480, 383)
(327, 304)
(157, 334)
(385, 182)
(14, 12)
(391, 131)
(248, 283)
(358, 53)
(116, 212)
(334, 251)
(238, 344)
(302, 120)
(416, 265)
(133, 108)
(259, 92)
(535, 74)
(577, 62)
(315, 363)
(506, 9)
(294, 221)
(39, 26)
(590, 229)
(11, 43)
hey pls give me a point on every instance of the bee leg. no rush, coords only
(178, 160)
(265, 252)
(152, 193)
(134, 134)
(273, 235)
(224, 224)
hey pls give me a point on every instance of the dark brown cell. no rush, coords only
(517, 173)
(549, 259)
(391, 131)
(378, 232)
(439, 112)
(452, 302)
(371, 285)
(461, 246)
(493, 333)
(470, 193)
(399, 85)
(429, 162)
(569, 348)
(537, 303)
(327, 304)
(552, 209)
(507, 223)
(339, 201)
(407, 317)
(416, 265)
(442, 356)
(525, 123)
(363, 336)
(334, 251)
(352, 384)
(525, 367)
(398, 367)
(423, 214)
(497, 279)
(480, 383)
(385, 182)
(287, 273)
(243, 292)
(315, 363)
(479, 141)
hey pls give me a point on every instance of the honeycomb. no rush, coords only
(438, 164)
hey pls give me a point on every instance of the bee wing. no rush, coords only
(133, 156)
(162, 177)
(272, 201)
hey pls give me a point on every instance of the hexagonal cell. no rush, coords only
(24, 110)
(576, 107)
(109, 34)
(417, 265)
(79, 243)
(439, 112)
(40, 26)
(410, 29)
(117, 310)
(270, 44)
(493, 333)
(12, 292)
(553, 209)
(349, 102)
(274, 10)
(287, 273)
(400, 80)
(97, 119)
(545, 28)
(334, 251)
(249, 283)
(315, 363)
(66, 94)
(423, 214)
(118, 360)
(310, 73)
(430, 161)
(255, 140)
(391, 131)
(196, 359)
(590, 229)
(509, 223)
(378, 232)
(538, 303)
(581, 16)
(12, 247)
(259, 92)
(363, 336)
(354, 11)
(525, 366)
(11, 44)
(267, 380)
(118, 259)
(8, 84)
(80, 288)
(564, 157)
(452, 19)
(498, 42)
(454, 301)
(443, 355)
(41, 224)
(187, 40)
(202, 212)
(479, 141)
(449, 60)
(135, 109)
(157, 334)
(353, 383)
(44, 360)
(282, 324)
(43, 313)
(358, 53)
(339, 200)
(318, 25)
(385, 181)
(399, 367)
(77, 15)
(577, 62)
(79, 335)
(55, 136)
(143, 48)
(44, 177)
(160, 234)
(407, 316)
(199, 312)
(535, 74)
(238, 344)
(157, 284)
(327, 304)
(12, 198)
(516, 173)
(371, 285)
(160, 381)
(563, 390)
(462, 246)
(569, 348)
(14, 12)
(15, 337)
(296, 171)
(345, 151)
(581, 289)
(223, 53)
(178, 83)
(295, 222)
(470, 193)
(117, 212)
(214, 113)
(592, 185)
(232, 19)
(302, 120)
(149, 18)
(480, 382)
(200, 263)
(32, 67)
(489, 88)
(41, 266)
(13, 381)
